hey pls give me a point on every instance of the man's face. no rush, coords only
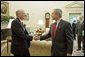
(55, 15)
(22, 15)
(81, 18)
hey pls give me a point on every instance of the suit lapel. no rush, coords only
(19, 20)
(52, 29)
(58, 28)
(59, 25)
(20, 23)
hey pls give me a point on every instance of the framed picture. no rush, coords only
(4, 8)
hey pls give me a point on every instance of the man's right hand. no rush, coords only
(36, 37)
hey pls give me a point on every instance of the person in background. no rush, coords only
(82, 27)
(74, 28)
(79, 32)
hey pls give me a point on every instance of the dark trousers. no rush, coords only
(79, 42)
(24, 54)
(53, 53)
(83, 43)
(74, 35)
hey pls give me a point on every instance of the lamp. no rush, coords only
(40, 24)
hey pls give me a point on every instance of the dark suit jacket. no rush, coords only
(82, 28)
(63, 42)
(79, 29)
(74, 27)
(20, 40)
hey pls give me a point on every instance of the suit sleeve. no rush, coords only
(46, 36)
(26, 31)
(76, 31)
(19, 32)
(31, 37)
(69, 38)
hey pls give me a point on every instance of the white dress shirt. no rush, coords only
(58, 22)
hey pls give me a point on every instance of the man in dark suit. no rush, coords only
(20, 40)
(62, 36)
(74, 28)
(79, 32)
(83, 35)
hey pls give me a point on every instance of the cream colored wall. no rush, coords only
(37, 10)
(72, 10)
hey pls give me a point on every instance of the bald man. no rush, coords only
(20, 40)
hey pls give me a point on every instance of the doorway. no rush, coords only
(73, 16)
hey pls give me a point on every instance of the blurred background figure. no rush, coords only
(83, 35)
(74, 28)
(79, 32)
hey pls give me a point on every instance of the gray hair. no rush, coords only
(58, 11)
(18, 11)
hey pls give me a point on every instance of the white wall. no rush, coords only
(36, 10)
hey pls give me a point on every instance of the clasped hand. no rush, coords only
(36, 37)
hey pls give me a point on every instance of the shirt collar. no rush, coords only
(19, 19)
(58, 21)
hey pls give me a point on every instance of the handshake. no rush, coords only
(36, 37)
